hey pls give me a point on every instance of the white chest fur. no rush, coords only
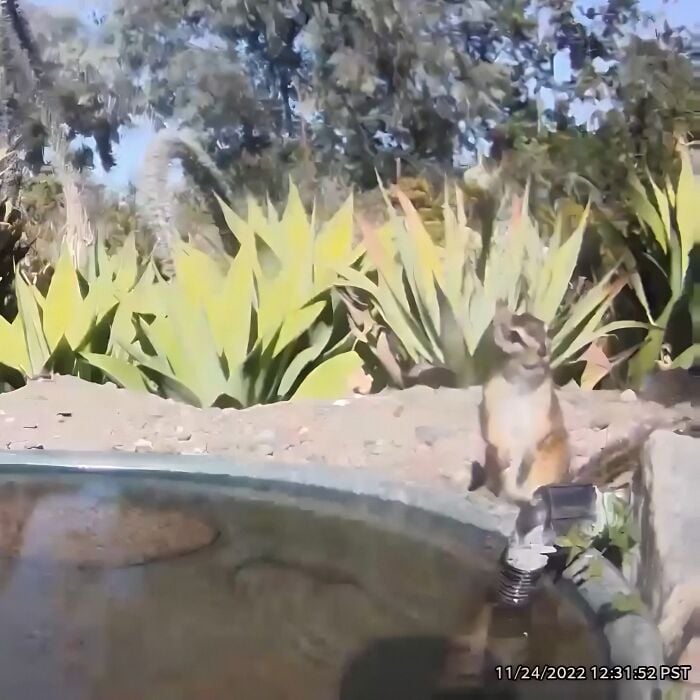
(518, 416)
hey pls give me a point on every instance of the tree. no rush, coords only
(355, 85)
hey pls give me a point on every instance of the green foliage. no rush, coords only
(266, 329)
(618, 534)
(13, 249)
(410, 72)
(628, 603)
(49, 331)
(669, 215)
(576, 541)
(438, 307)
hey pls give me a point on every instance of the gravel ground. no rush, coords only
(416, 435)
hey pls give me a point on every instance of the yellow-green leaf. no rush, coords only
(559, 268)
(64, 308)
(119, 371)
(320, 335)
(331, 379)
(241, 230)
(126, 265)
(647, 214)
(199, 275)
(297, 322)
(38, 351)
(297, 264)
(230, 314)
(333, 246)
(13, 347)
(662, 204)
(687, 197)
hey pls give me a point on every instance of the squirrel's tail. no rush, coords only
(614, 466)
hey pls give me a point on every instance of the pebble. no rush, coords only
(628, 395)
(182, 434)
(143, 445)
(264, 437)
(430, 434)
(375, 447)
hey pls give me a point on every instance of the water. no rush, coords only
(117, 589)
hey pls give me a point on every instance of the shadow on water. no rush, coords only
(409, 668)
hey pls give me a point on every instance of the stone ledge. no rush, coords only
(668, 575)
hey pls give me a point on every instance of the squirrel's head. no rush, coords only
(522, 342)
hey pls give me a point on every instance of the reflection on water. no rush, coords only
(119, 590)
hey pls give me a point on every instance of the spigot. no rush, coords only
(551, 514)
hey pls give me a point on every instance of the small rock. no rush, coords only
(628, 395)
(182, 434)
(430, 434)
(264, 437)
(143, 445)
(375, 447)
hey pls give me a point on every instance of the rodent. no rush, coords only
(527, 444)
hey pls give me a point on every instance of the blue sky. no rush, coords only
(135, 140)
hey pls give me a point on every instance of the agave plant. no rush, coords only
(49, 331)
(438, 308)
(670, 214)
(265, 329)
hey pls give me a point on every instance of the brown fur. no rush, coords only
(527, 445)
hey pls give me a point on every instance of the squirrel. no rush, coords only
(527, 444)
(522, 423)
